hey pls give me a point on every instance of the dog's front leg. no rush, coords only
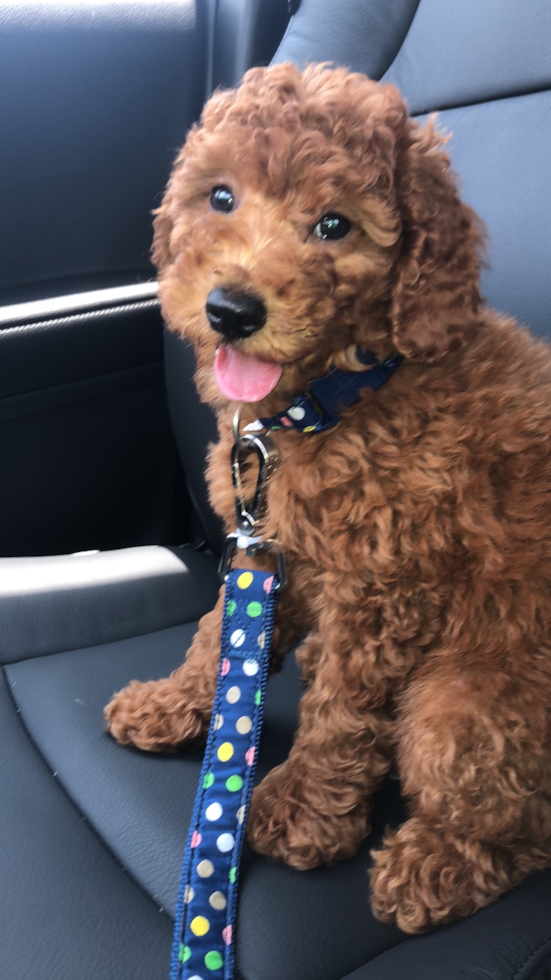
(314, 809)
(162, 714)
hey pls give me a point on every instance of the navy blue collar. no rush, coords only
(320, 407)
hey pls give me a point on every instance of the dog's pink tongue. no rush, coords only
(243, 378)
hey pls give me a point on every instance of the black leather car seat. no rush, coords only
(92, 834)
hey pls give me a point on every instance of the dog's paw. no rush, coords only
(286, 825)
(154, 716)
(422, 879)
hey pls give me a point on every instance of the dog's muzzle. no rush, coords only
(233, 314)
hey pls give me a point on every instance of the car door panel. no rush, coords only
(94, 101)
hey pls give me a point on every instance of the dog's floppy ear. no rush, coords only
(435, 295)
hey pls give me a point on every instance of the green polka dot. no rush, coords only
(254, 609)
(234, 784)
(231, 607)
(258, 697)
(213, 960)
(184, 954)
(208, 780)
(233, 875)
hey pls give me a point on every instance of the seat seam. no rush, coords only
(516, 974)
(65, 792)
(99, 643)
(404, 39)
(290, 26)
(488, 100)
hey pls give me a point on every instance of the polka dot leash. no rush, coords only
(205, 917)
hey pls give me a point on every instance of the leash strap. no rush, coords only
(205, 916)
(321, 406)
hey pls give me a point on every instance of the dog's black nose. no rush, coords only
(235, 315)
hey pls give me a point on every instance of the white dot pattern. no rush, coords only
(225, 784)
(214, 811)
(225, 842)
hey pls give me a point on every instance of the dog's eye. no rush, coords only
(332, 226)
(222, 199)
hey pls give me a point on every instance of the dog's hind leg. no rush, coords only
(475, 761)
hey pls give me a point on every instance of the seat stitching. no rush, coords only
(488, 100)
(531, 955)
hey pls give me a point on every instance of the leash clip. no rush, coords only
(249, 514)
(230, 547)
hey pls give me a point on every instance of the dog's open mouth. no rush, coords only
(243, 378)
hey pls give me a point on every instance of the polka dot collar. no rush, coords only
(320, 408)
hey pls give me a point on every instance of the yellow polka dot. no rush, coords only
(309, 428)
(199, 925)
(205, 869)
(225, 751)
(233, 695)
(243, 725)
(218, 901)
(244, 580)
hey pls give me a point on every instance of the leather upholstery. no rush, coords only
(364, 35)
(68, 601)
(508, 941)
(194, 428)
(507, 181)
(245, 34)
(461, 54)
(68, 909)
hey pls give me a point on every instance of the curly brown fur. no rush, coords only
(417, 532)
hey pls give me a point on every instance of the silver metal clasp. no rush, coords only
(249, 513)
(229, 549)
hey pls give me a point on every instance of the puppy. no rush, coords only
(309, 220)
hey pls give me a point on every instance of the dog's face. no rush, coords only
(285, 238)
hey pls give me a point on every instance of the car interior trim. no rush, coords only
(22, 314)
